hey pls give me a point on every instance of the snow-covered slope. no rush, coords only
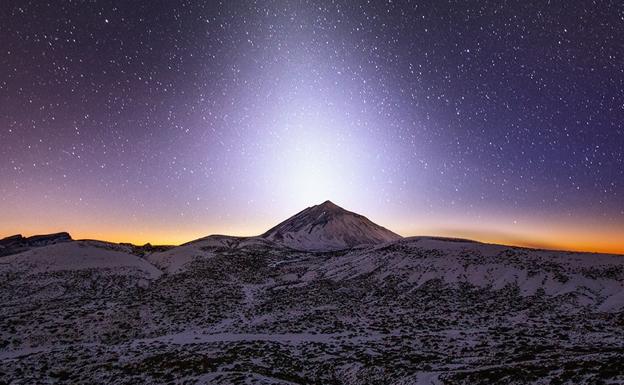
(327, 227)
(177, 258)
(78, 255)
(587, 279)
(234, 310)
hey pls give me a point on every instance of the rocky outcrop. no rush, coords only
(17, 243)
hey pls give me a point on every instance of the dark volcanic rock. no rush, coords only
(17, 243)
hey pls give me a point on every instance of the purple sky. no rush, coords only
(164, 121)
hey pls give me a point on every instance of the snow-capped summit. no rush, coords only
(327, 227)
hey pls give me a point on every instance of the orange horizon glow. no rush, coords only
(109, 223)
(604, 241)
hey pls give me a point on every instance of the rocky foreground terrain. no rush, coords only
(227, 310)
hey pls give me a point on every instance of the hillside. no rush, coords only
(235, 310)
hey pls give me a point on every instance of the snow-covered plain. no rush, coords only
(231, 310)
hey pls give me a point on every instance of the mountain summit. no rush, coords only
(328, 227)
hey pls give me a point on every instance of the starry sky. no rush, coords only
(164, 121)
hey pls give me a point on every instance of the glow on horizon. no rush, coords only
(530, 232)
(543, 235)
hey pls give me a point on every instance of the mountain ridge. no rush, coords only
(17, 243)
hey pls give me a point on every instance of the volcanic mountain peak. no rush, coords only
(328, 226)
(329, 205)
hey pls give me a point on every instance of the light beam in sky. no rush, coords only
(185, 118)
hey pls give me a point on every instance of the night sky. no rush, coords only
(165, 121)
